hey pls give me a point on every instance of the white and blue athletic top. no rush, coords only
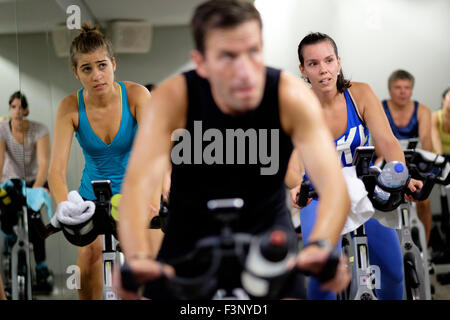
(356, 135)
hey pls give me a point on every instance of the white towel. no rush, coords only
(74, 211)
(361, 208)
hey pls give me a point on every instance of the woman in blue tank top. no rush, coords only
(104, 115)
(351, 110)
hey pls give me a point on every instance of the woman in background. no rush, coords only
(440, 126)
(24, 154)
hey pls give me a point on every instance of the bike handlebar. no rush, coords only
(422, 165)
(229, 252)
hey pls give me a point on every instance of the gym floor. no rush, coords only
(442, 292)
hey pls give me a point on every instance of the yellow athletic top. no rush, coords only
(445, 137)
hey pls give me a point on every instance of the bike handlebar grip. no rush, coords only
(302, 199)
(329, 270)
(155, 223)
(425, 192)
(129, 282)
(47, 231)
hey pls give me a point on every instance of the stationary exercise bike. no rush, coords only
(432, 169)
(440, 235)
(233, 265)
(365, 278)
(16, 260)
(101, 223)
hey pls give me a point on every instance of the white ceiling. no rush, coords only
(25, 16)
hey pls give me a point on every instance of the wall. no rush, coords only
(373, 37)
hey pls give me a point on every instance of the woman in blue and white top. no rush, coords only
(352, 112)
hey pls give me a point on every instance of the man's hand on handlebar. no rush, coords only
(144, 270)
(313, 258)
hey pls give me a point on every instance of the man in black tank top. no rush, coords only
(228, 128)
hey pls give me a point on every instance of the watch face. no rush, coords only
(321, 243)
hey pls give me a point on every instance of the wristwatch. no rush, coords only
(320, 243)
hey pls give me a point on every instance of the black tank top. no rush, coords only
(193, 184)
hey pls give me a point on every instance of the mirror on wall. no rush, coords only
(151, 41)
(13, 109)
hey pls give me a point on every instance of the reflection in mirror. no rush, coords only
(12, 111)
(49, 257)
(150, 40)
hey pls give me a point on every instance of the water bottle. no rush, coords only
(267, 263)
(393, 175)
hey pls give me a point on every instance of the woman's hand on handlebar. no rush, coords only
(313, 258)
(414, 186)
(144, 270)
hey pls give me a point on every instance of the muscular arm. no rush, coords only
(43, 155)
(63, 129)
(294, 172)
(424, 119)
(302, 118)
(435, 135)
(373, 114)
(141, 101)
(147, 166)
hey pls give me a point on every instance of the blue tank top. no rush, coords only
(356, 135)
(105, 161)
(407, 132)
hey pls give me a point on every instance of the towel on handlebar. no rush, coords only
(35, 197)
(73, 211)
(361, 208)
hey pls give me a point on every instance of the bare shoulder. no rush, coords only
(173, 89)
(68, 110)
(169, 102)
(69, 104)
(292, 89)
(360, 91)
(135, 90)
(424, 109)
(297, 102)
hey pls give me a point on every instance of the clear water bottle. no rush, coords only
(393, 175)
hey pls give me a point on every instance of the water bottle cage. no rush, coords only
(396, 195)
(85, 233)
